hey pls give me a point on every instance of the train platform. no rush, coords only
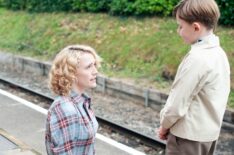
(23, 125)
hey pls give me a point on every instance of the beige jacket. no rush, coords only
(197, 101)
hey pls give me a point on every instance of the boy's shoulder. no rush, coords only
(196, 55)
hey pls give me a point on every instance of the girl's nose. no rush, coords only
(95, 71)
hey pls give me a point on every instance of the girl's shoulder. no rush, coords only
(64, 105)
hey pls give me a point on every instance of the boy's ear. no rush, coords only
(197, 26)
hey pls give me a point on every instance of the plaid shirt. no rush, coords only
(71, 126)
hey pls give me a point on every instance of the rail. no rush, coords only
(155, 143)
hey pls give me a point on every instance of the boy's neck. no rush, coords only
(205, 33)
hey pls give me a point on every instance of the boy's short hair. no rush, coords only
(203, 11)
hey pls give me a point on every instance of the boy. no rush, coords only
(192, 117)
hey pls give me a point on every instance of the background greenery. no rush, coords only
(144, 48)
(115, 7)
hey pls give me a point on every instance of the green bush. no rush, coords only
(78, 5)
(1, 3)
(227, 11)
(38, 6)
(49, 5)
(122, 7)
(115, 7)
(159, 7)
(15, 4)
(98, 5)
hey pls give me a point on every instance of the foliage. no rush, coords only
(227, 11)
(121, 7)
(160, 7)
(15, 4)
(39, 6)
(98, 5)
(115, 7)
(137, 48)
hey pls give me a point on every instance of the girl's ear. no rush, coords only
(197, 26)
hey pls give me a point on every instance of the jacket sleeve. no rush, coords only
(187, 83)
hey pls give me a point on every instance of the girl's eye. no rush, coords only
(89, 66)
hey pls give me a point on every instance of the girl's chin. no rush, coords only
(93, 85)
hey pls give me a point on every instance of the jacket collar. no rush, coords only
(209, 41)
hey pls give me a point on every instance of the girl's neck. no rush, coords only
(78, 90)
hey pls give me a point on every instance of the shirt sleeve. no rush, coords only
(63, 128)
(187, 83)
(48, 142)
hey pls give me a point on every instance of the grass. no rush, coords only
(141, 50)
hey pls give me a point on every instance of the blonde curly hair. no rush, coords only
(64, 68)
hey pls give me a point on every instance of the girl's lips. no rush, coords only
(93, 79)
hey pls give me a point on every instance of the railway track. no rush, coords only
(146, 140)
(114, 130)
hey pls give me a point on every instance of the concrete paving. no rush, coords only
(22, 131)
